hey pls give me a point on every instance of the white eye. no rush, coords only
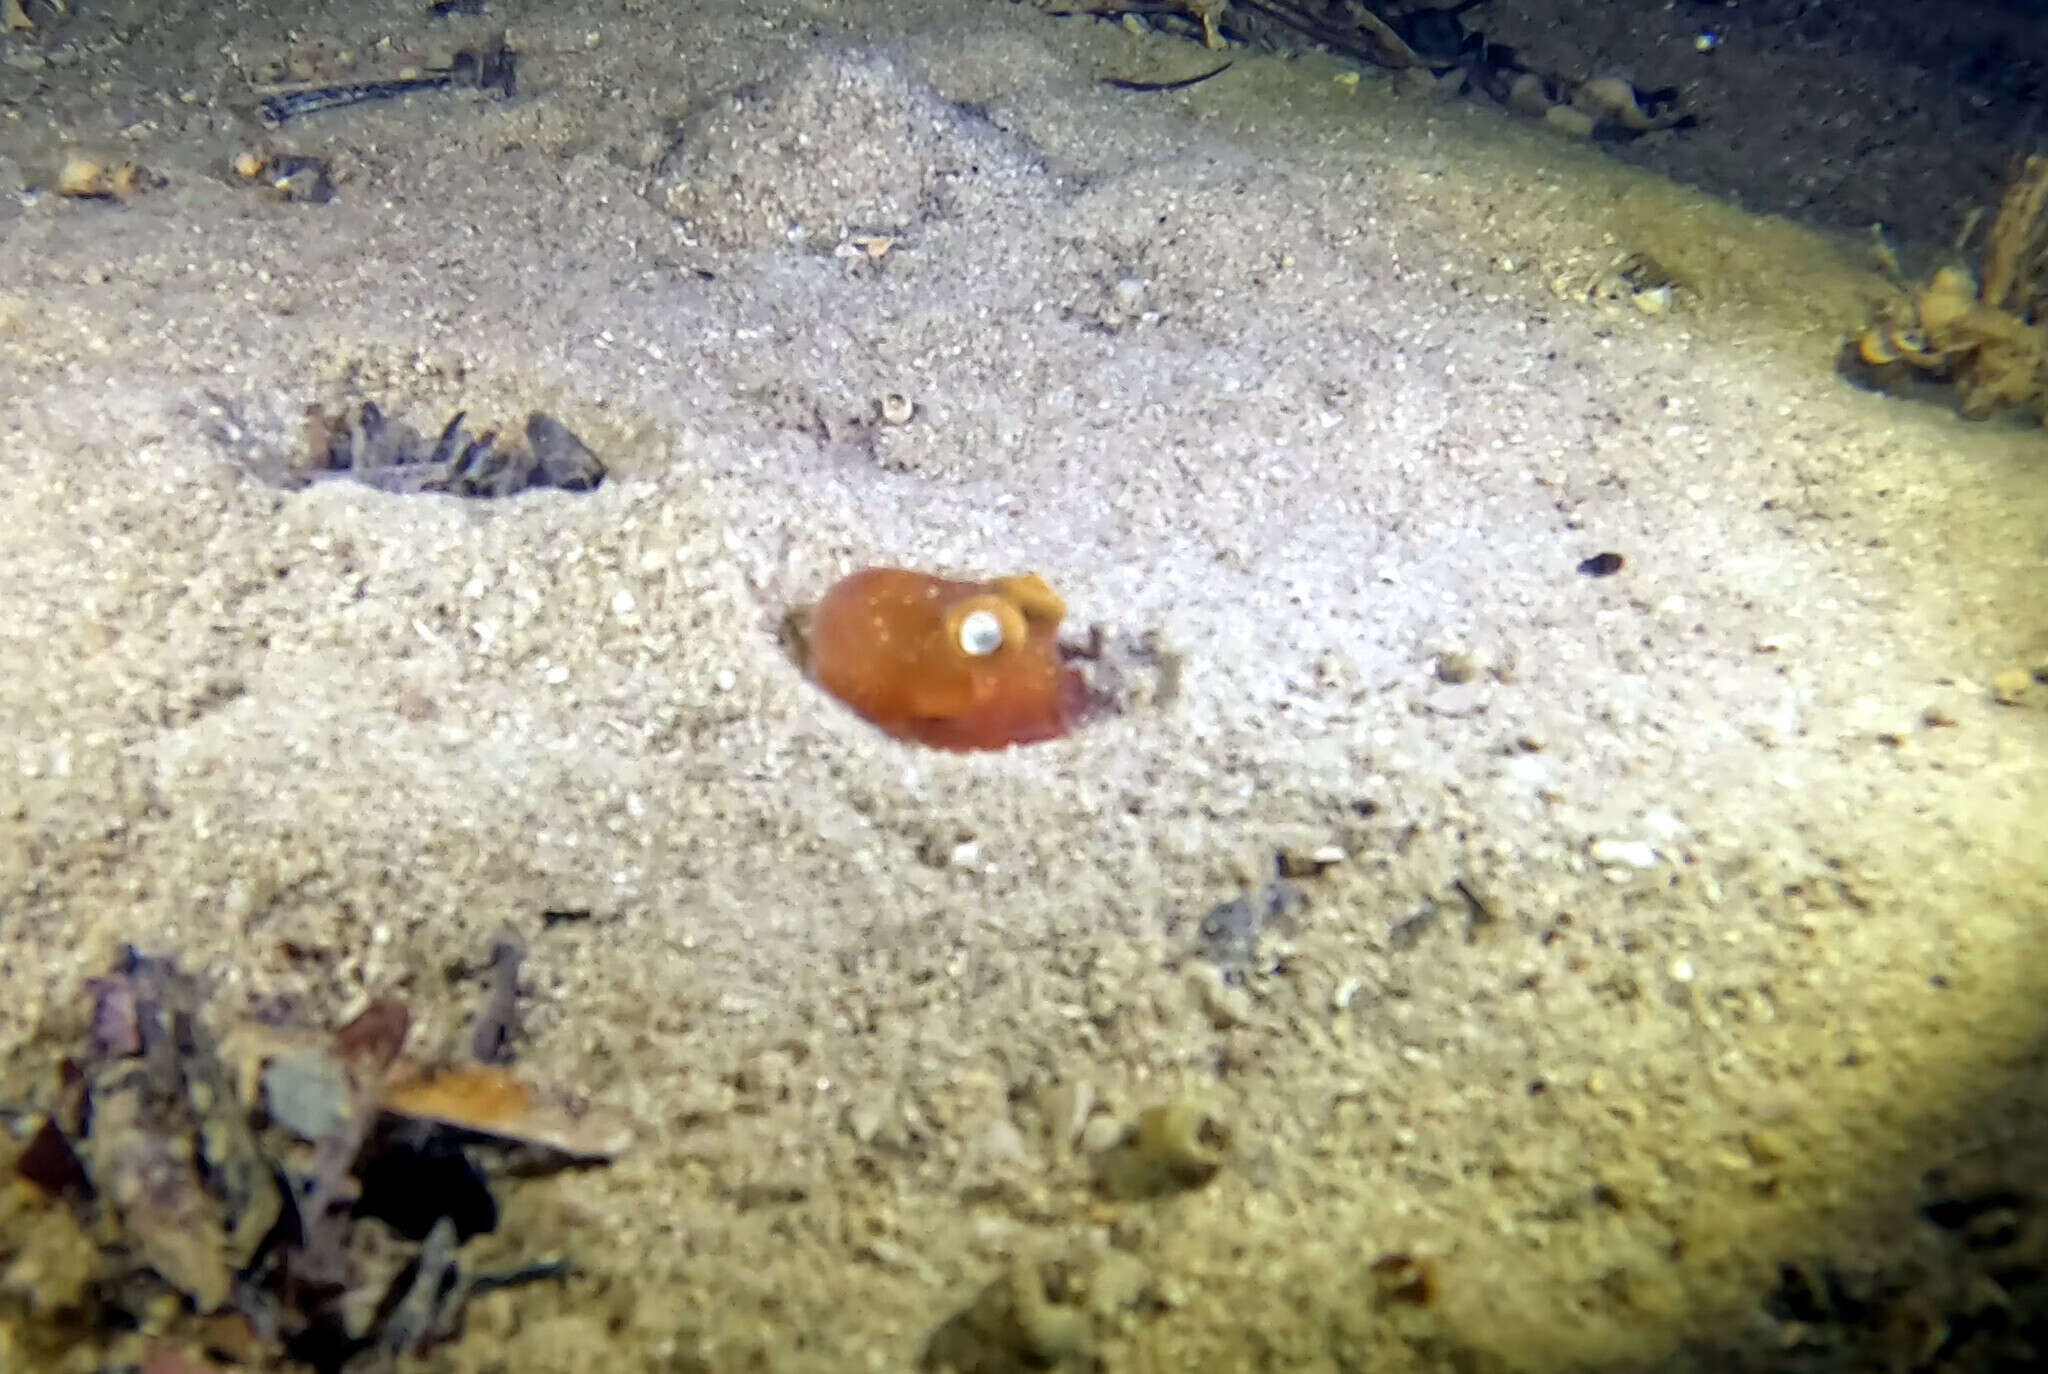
(981, 634)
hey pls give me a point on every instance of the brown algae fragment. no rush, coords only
(1404, 1278)
(1984, 333)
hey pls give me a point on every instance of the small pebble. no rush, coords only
(1571, 122)
(1224, 1005)
(1626, 853)
(82, 177)
(1654, 301)
(1415, 81)
(1766, 1146)
(1099, 1132)
(1003, 1141)
(1455, 666)
(307, 1093)
(2012, 687)
(1313, 863)
(1458, 701)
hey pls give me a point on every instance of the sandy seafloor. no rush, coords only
(1357, 405)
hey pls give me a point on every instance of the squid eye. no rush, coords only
(980, 633)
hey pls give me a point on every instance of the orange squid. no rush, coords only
(957, 665)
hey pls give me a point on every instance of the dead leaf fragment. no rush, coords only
(49, 1162)
(147, 1173)
(373, 1037)
(490, 1101)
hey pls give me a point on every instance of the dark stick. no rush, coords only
(498, 1024)
(1123, 85)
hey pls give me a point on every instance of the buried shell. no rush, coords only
(1048, 1309)
(1891, 357)
(1877, 348)
(1884, 344)
(1171, 1148)
(1183, 1138)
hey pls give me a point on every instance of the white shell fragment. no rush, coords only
(1624, 853)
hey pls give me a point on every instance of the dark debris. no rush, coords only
(322, 1223)
(387, 454)
(497, 1027)
(492, 69)
(1427, 37)
(1975, 1301)
(1231, 933)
